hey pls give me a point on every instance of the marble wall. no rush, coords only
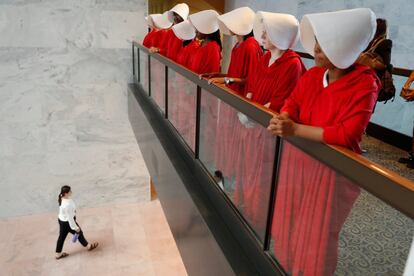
(64, 69)
(397, 115)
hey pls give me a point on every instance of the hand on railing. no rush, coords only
(282, 125)
(211, 75)
(154, 50)
(216, 81)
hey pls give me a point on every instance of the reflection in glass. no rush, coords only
(143, 72)
(158, 83)
(323, 224)
(239, 153)
(182, 100)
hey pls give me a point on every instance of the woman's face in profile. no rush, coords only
(267, 44)
(321, 60)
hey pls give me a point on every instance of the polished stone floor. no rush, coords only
(386, 155)
(134, 240)
(64, 70)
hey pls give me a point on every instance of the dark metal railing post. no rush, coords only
(139, 64)
(273, 192)
(133, 60)
(149, 75)
(166, 92)
(197, 132)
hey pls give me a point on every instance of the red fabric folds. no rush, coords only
(148, 39)
(312, 201)
(244, 59)
(272, 84)
(182, 97)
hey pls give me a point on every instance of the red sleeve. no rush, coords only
(286, 84)
(147, 39)
(251, 59)
(349, 130)
(211, 60)
(164, 42)
(294, 101)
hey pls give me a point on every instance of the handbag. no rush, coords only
(407, 92)
(387, 91)
(372, 59)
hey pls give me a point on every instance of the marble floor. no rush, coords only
(386, 155)
(134, 239)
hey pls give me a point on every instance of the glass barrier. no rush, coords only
(158, 83)
(324, 224)
(143, 70)
(182, 106)
(239, 153)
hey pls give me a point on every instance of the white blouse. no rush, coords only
(67, 212)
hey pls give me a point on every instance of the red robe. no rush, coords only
(174, 45)
(158, 70)
(182, 98)
(148, 39)
(207, 59)
(313, 201)
(158, 38)
(183, 56)
(244, 59)
(272, 84)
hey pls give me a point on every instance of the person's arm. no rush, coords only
(222, 80)
(347, 132)
(70, 213)
(282, 125)
(212, 75)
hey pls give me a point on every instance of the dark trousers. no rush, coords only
(64, 229)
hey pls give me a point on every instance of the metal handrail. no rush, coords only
(388, 186)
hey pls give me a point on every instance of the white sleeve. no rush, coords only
(70, 212)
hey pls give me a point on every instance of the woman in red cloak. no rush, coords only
(332, 103)
(207, 59)
(244, 58)
(275, 77)
(182, 94)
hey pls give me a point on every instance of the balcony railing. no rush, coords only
(297, 198)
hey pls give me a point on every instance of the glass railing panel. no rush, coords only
(143, 71)
(239, 153)
(324, 224)
(182, 106)
(158, 83)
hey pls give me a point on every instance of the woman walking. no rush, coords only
(68, 224)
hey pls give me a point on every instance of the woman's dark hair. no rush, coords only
(216, 37)
(248, 35)
(381, 27)
(64, 190)
(186, 42)
(177, 18)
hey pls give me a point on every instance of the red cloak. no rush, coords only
(148, 39)
(182, 98)
(173, 45)
(272, 84)
(313, 201)
(244, 59)
(206, 59)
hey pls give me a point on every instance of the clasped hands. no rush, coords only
(282, 125)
